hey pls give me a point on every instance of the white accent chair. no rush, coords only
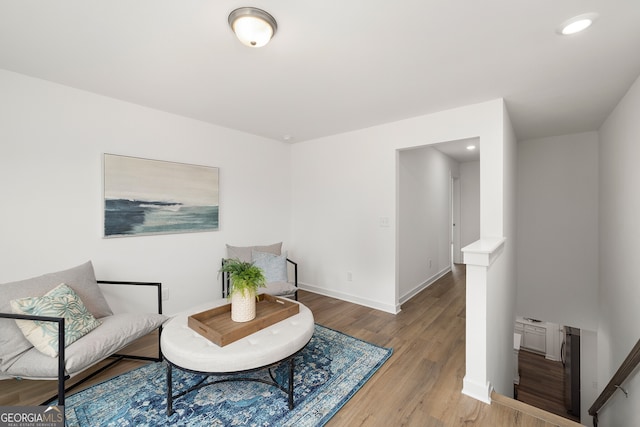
(280, 271)
(20, 359)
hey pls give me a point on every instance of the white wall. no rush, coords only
(469, 202)
(424, 181)
(344, 184)
(557, 255)
(619, 294)
(588, 374)
(324, 198)
(52, 139)
(491, 276)
(501, 288)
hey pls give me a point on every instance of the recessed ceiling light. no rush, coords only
(471, 147)
(577, 24)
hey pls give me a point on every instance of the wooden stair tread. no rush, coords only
(533, 411)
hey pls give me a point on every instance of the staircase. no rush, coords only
(530, 414)
(542, 384)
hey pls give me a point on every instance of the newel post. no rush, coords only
(478, 257)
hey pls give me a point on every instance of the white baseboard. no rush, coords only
(424, 285)
(478, 391)
(351, 298)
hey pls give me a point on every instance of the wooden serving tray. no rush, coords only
(216, 324)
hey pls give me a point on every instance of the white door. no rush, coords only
(455, 221)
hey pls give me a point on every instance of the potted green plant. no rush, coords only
(245, 279)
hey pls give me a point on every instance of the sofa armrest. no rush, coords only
(62, 376)
(295, 271)
(61, 340)
(158, 285)
(226, 281)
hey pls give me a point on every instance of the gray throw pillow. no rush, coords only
(243, 253)
(274, 267)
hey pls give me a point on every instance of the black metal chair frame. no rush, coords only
(226, 279)
(62, 376)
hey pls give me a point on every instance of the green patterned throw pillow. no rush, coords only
(61, 301)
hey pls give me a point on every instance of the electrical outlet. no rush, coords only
(165, 294)
(349, 276)
(429, 263)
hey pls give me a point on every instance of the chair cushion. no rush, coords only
(274, 267)
(61, 301)
(114, 333)
(80, 278)
(243, 253)
(278, 289)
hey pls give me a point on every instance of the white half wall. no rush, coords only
(557, 254)
(619, 293)
(491, 278)
(52, 139)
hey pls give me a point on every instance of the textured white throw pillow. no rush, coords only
(61, 301)
(273, 266)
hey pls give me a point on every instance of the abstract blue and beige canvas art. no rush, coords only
(143, 196)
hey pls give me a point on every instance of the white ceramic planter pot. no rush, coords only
(243, 307)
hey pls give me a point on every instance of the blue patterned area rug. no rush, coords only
(328, 372)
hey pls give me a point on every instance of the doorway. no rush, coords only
(431, 199)
(456, 253)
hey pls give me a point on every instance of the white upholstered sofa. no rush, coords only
(108, 332)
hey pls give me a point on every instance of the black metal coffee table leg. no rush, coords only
(169, 390)
(203, 383)
(291, 365)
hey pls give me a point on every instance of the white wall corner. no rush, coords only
(415, 291)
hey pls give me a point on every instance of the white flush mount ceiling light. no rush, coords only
(471, 147)
(254, 27)
(577, 24)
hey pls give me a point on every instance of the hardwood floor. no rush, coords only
(542, 383)
(420, 385)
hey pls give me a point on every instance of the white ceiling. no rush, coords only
(334, 65)
(458, 151)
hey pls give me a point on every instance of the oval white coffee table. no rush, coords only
(185, 349)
